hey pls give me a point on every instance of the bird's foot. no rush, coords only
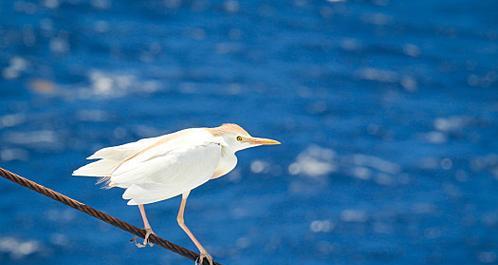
(202, 256)
(148, 232)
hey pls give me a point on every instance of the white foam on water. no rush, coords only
(435, 137)
(411, 50)
(450, 123)
(321, 226)
(380, 75)
(376, 163)
(33, 137)
(10, 154)
(354, 216)
(105, 84)
(259, 166)
(16, 66)
(11, 120)
(17, 248)
(314, 162)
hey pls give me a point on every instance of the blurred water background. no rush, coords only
(388, 111)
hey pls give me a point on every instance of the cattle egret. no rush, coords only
(159, 168)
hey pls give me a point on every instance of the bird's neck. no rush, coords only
(227, 162)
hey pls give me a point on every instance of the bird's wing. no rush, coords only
(110, 158)
(123, 151)
(160, 174)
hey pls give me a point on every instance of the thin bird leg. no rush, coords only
(181, 222)
(148, 228)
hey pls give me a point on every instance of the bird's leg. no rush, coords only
(181, 222)
(148, 228)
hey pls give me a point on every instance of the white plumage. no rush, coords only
(159, 168)
(185, 168)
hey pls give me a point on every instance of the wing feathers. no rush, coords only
(123, 151)
(167, 176)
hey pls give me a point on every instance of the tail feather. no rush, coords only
(111, 157)
(101, 168)
(114, 153)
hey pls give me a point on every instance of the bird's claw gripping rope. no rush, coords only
(104, 217)
(146, 239)
(202, 258)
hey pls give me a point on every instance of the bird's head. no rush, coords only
(238, 138)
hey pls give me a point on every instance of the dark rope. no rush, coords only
(99, 215)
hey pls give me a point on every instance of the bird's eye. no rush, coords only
(239, 138)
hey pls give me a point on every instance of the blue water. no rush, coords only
(388, 111)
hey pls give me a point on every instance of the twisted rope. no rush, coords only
(99, 215)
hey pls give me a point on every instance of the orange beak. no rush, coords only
(261, 141)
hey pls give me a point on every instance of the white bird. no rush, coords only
(159, 168)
